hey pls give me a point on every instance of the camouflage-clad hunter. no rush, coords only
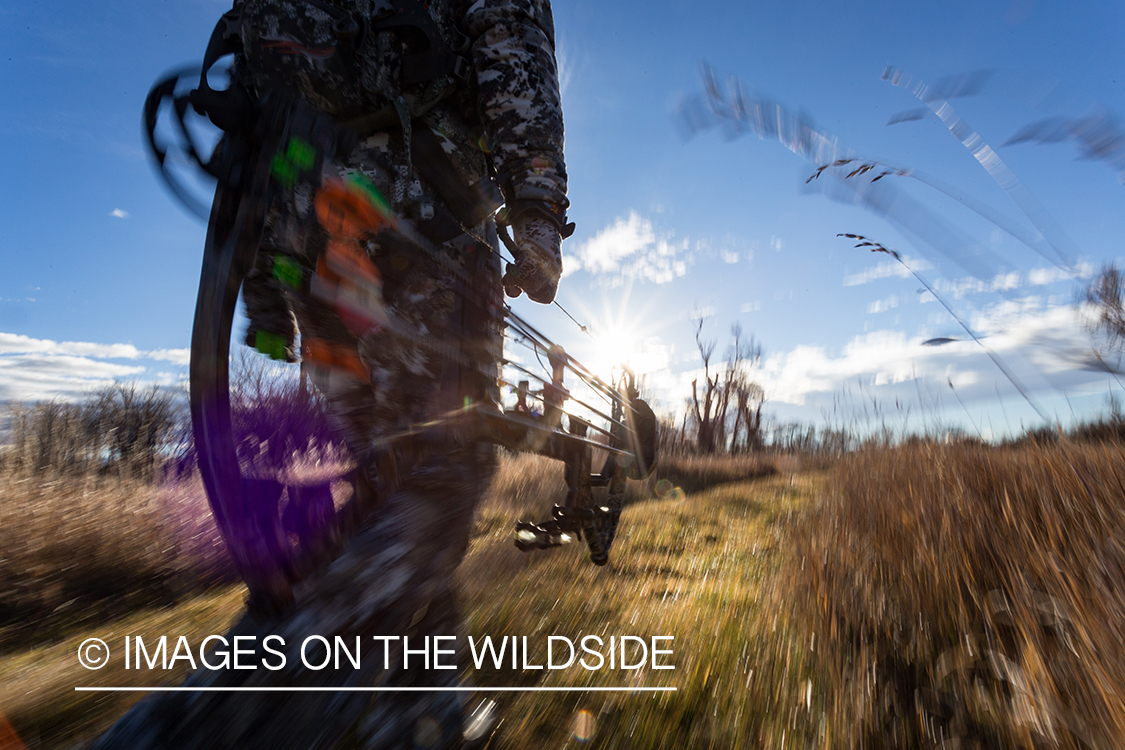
(500, 114)
(497, 111)
(504, 116)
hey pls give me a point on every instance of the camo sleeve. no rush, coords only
(513, 52)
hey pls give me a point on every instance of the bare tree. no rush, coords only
(711, 402)
(794, 437)
(749, 398)
(710, 409)
(130, 426)
(742, 358)
(47, 436)
(668, 436)
(121, 428)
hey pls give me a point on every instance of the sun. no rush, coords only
(613, 347)
(623, 333)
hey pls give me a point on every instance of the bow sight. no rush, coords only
(264, 148)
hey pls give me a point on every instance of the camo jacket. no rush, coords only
(506, 115)
(508, 111)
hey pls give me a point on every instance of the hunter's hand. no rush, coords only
(538, 265)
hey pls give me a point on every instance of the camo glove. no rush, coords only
(538, 255)
(539, 227)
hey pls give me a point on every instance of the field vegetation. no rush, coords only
(970, 594)
(916, 594)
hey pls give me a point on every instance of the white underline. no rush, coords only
(377, 690)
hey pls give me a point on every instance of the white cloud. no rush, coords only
(34, 377)
(1044, 276)
(886, 270)
(960, 287)
(119, 213)
(630, 248)
(1006, 282)
(1005, 315)
(877, 357)
(12, 343)
(175, 356)
(882, 305)
(32, 369)
(169, 378)
(100, 351)
(1045, 346)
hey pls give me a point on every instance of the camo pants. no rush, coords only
(426, 505)
(437, 354)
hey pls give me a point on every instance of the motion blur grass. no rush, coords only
(971, 593)
(680, 567)
(37, 685)
(902, 597)
(703, 569)
(76, 551)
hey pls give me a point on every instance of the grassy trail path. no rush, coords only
(706, 569)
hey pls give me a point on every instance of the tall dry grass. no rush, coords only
(79, 548)
(701, 568)
(972, 593)
(698, 472)
(101, 511)
(78, 551)
(527, 486)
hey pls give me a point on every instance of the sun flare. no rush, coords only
(614, 347)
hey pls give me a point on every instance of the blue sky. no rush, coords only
(101, 264)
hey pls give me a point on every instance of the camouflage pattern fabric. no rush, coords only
(510, 109)
(439, 351)
(538, 266)
(513, 54)
(441, 346)
(298, 44)
(509, 114)
(272, 329)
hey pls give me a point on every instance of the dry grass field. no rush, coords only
(970, 593)
(904, 597)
